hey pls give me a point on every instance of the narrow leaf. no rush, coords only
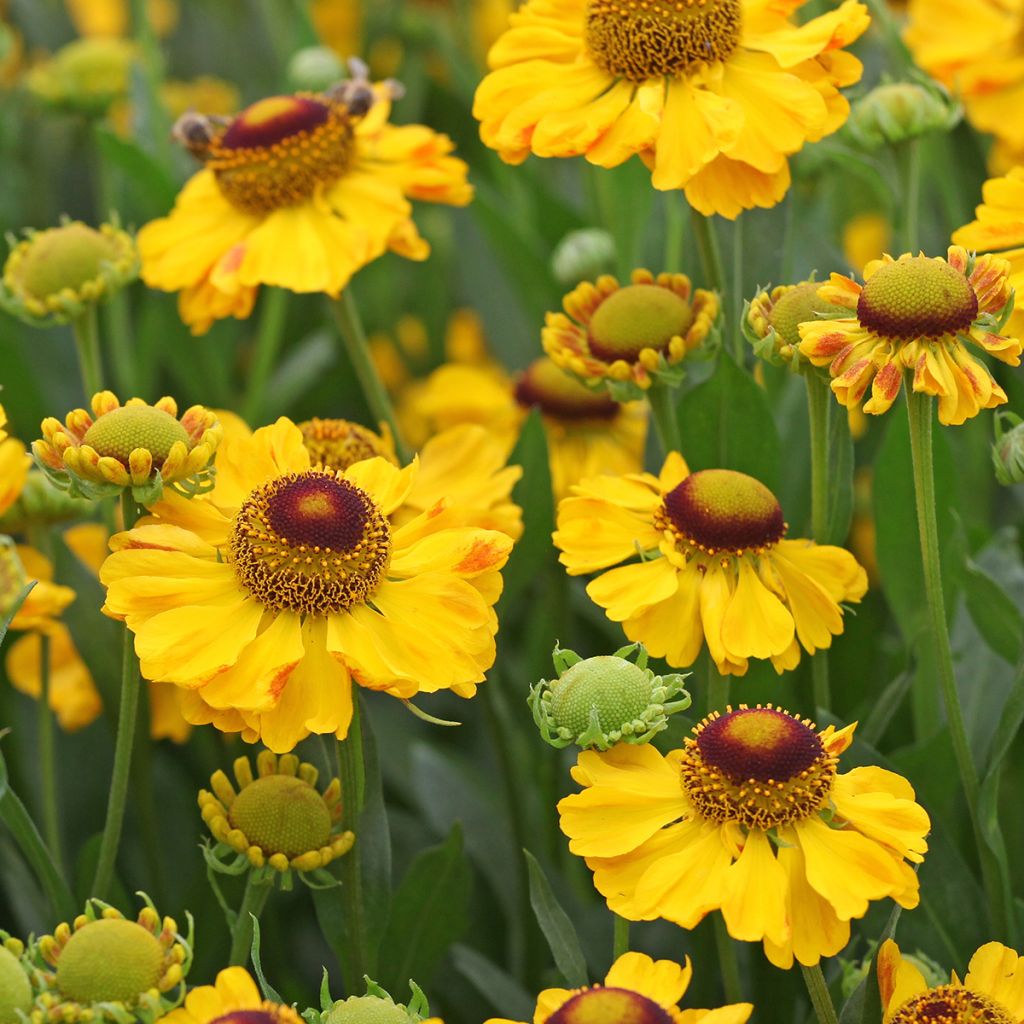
(555, 924)
(499, 988)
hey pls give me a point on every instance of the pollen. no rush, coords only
(119, 432)
(638, 317)
(759, 766)
(917, 297)
(721, 510)
(600, 1005)
(310, 542)
(798, 305)
(338, 444)
(642, 39)
(282, 814)
(559, 395)
(951, 1004)
(110, 960)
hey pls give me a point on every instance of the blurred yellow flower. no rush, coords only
(866, 237)
(113, 17)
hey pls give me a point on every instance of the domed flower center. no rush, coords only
(557, 394)
(722, 510)
(281, 814)
(798, 306)
(951, 1004)
(15, 990)
(280, 150)
(109, 961)
(618, 690)
(636, 317)
(119, 432)
(366, 1010)
(338, 444)
(310, 542)
(919, 297)
(758, 766)
(65, 257)
(641, 39)
(599, 1005)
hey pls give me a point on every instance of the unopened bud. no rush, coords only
(899, 111)
(583, 255)
(1008, 450)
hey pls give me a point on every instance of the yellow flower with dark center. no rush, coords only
(133, 445)
(773, 319)
(636, 990)
(299, 192)
(629, 335)
(588, 433)
(714, 566)
(278, 818)
(750, 818)
(992, 992)
(916, 313)
(337, 444)
(267, 598)
(232, 999)
(713, 95)
(975, 48)
(104, 967)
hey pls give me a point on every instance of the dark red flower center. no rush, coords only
(599, 1005)
(556, 393)
(274, 119)
(759, 743)
(319, 511)
(951, 1004)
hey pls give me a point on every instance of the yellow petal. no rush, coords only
(629, 589)
(756, 624)
(664, 981)
(754, 906)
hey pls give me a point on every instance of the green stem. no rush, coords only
(47, 754)
(675, 225)
(621, 938)
(273, 314)
(716, 686)
(707, 248)
(819, 410)
(253, 901)
(87, 341)
(821, 999)
(727, 962)
(352, 775)
(662, 400)
(126, 725)
(346, 315)
(736, 308)
(908, 155)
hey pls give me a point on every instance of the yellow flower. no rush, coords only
(714, 566)
(588, 433)
(267, 598)
(629, 335)
(277, 819)
(993, 990)
(232, 999)
(206, 93)
(133, 445)
(110, 17)
(45, 601)
(865, 237)
(772, 320)
(915, 313)
(714, 97)
(87, 75)
(636, 989)
(14, 466)
(789, 862)
(339, 24)
(299, 192)
(976, 49)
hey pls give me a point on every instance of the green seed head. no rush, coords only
(799, 305)
(282, 814)
(15, 990)
(636, 317)
(110, 960)
(367, 1010)
(120, 432)
(65, 257)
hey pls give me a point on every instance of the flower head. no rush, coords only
(916, 313)
(1008, 450)
(896, 112)
(772, 319)
(338, 444)
(86, 76)
(712, 563)
(15, 983)
(298, 191)
(629, 335)
(265, 599)
(14, 466)
(636, 989)
(133, 445)
(104, 966)
(52, 276)
(714, 96)
(752, 818)
(598, 702)
(991, 991)
(232, 999)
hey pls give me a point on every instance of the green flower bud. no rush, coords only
(899, 111)
(86, 76)
(376, 1007)
(15, 988)
(315, 69)
(601, 701)
(583, 255)
(1008, 450)
(41, 503)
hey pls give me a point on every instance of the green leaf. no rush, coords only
(430, 910)
(157, 189)
(865, 1003)
(498, 987)
(555, 924)
(840, 474)
(268, 990)
(18, 602)
(994, 612)
(725, 423)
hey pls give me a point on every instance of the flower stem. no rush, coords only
(674, 231)
(621, 940)
(350, 326)
(273, 314)
(821, 1000)
(352, 775)
(126, 725)
(716, 686)
(47, 755)
(736, 305)
(87, 341)
(727, 962)
(819, 410)
(253, 901)
(908, 155)
(662, 400)
(710, 256)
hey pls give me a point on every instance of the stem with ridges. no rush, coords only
(273, 314)
(87, 341)
(662, 400)
(352, 775)
(819, 409)
(710, 256)
(253, 901)
(727, 962)
(674, 207)
(908, 156)
(621, 937)
(821, 999)
(126, 725)
(47, 755)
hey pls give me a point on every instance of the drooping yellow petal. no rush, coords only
(664, 981)
(754, 906)
(756, 624)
